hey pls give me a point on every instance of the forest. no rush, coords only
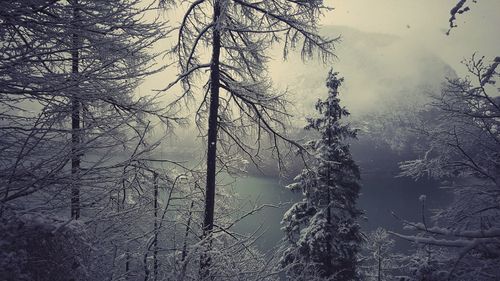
(268, 140)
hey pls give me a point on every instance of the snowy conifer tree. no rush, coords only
(322, 232)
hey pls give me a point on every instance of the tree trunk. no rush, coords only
(75, 117)
(208, 222)
(328, 263)
(127, 263)
(379, 275)
(184, 245)
(155, 241)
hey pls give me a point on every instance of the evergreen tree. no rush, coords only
(322, 233)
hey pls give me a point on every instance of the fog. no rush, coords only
(179, 140)
(393, 55)
(383, 73)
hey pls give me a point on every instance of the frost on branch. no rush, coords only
(322, 233)
(459, 8)
(463, 151)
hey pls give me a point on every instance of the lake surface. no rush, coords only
(382, 193)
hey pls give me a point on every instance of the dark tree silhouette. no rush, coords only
(238, 98)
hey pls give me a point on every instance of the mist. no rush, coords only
(227, 140)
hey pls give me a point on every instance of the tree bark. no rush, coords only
(208, 222)
(75, 117)
(155, 241)
(379, 273)
(184, 245)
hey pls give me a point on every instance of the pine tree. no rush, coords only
(322, 233)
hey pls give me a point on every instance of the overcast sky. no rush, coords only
(420, 25)
(425, 22)
(418, 22)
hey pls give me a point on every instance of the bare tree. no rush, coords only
(380, 260)
(238, 98)
(462, 149)
(74, 136)
(75, 113)
(76, 63)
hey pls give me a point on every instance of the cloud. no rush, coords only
(380, 71)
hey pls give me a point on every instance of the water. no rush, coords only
(382, 194)
(255, 191)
